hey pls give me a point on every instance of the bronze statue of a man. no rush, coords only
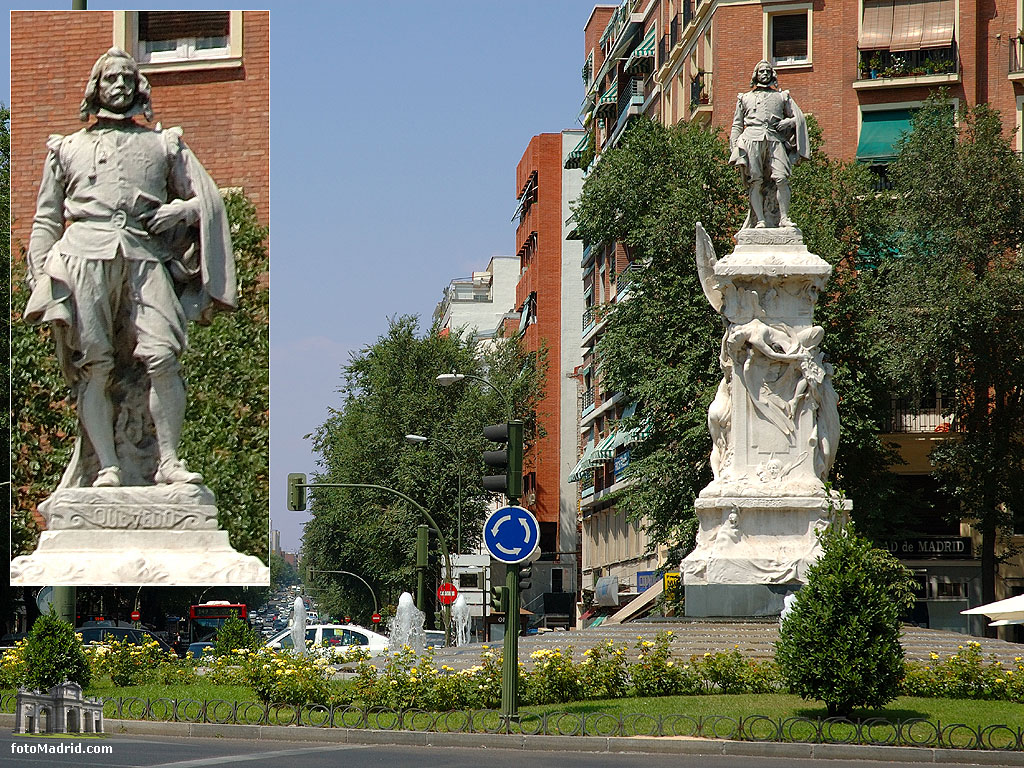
(768, 138)
(130, 241)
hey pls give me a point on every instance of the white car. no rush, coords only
(335, 637)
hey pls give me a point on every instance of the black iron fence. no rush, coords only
(1016, 56)
(754, 728)
(700, 90)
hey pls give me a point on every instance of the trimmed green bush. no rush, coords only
(236, 633)
(841, 643)
(54, 654)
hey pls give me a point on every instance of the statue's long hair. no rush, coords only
(775, 77)
(91, 103)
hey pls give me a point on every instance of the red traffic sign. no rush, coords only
(447, 593)
(136, 615)
(375, 618)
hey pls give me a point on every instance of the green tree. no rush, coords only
(54, 655)
(949, 309)
(841, 642)
(235, 634)
(226, 433)
(389, 391)
(282, 573)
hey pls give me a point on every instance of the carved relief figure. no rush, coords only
(130, 241)
(769, 137)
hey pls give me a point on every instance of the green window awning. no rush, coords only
(584, 464)
(642, 58)
(880, 131)
(606, 448)
(572, 160)
(611, 96)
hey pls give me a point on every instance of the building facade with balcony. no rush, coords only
(480, 303)
(860, 67)
(549, 302)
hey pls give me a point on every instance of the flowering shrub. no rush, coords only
(733, 673)
(966, 675)
(657, 673)
(604, 671)
(555, 678)
(406, 680)
(283, 678)
(129, 664)
(13, 665)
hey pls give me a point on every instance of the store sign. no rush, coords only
(644, 580)
(926, 547)
(621, 462)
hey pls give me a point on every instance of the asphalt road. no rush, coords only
(163, 752)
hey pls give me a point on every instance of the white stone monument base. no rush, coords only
(751, 553)
(137, 557)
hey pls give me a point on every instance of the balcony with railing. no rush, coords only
(631, 102)
(625, 279)
(687, 11)
(588, 400)
(673, 32)
(924, 417)
(700, 91)
(590, 317)
(1017, 58)
(888, 68)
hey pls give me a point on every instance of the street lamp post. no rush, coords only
(418, 439)
(376, 607)
(447, 379)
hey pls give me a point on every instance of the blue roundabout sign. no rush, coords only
(511, 535)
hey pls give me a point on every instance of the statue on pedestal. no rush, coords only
(769, 137)
(130, 242)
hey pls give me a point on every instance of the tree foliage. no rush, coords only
(949, 307)
(389, 391)
(226, 433)
(841, 642)
(54, 655)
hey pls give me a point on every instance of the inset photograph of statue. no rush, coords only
(139, 297)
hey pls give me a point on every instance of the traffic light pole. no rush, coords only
(510, 658)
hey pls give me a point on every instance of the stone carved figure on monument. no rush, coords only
(130, 241)
(768, 138)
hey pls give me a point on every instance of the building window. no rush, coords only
(180, 39)
(788, 38)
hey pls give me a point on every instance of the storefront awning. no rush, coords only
(880, 131)
(606, 448)
(584, 465)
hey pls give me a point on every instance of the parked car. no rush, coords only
(196, 650)
(133, 635)
(434, 639)
(337, 637)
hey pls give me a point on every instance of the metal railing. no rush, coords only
(927, 417)
(588, 398)
(1016, 56)
(752, 728)
(687, 12)
(673, 32)
(663, 51)
(589, 318)
(626, 278)
(896, 64)
(700, 90)
(631, 93)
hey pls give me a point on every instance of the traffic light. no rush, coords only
(297, 492)
(525, 577)
(509, 459)
(499, 599)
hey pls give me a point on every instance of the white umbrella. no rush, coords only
(1002, 612)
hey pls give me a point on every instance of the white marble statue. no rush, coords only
(769, 137)
(130, 241)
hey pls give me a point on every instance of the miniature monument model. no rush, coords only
(773, 422)
(130, 241)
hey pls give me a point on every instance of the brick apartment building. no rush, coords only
(210, 74)
(549, 300)
(860, 67)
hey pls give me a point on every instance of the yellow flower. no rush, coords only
(933, 656)
(706, 655)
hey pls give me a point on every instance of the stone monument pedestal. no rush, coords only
(157, 535)
(774, 426)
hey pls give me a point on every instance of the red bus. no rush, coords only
(205, 619)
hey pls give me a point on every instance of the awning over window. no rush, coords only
(911, 19)
(584, 465)
(642, 58)
(609, 101)
(572, 160)
(880, 131)
(606, 448)
(876, 26)
(907, 25)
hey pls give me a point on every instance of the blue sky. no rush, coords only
(396, 127)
